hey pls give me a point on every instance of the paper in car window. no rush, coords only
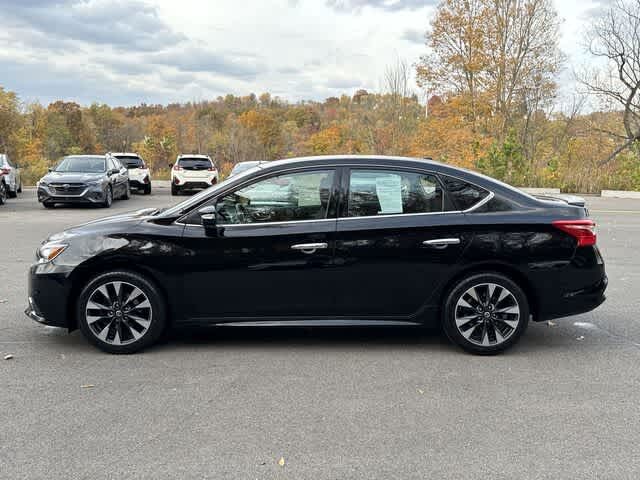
(308, 187)
(389, 191)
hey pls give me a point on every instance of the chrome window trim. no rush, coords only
(261, 224)
(481, 202)
(392, 215)
(336, 166)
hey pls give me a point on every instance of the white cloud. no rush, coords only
(160, 51)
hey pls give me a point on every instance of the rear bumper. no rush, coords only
(139, 183)
(576, 302)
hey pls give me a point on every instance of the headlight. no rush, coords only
(41, 183)
(49, 251)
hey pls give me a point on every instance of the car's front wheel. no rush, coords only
(108, 197)
(121, 312)
(3, 193)
(485, 313)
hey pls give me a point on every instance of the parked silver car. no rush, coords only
(11, 176)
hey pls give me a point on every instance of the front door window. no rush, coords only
(285, 198)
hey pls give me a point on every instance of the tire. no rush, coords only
(127, 192)
(20, 187)
(12, 193)
(485, 327)
(174, 190)
(147, 189)
(117, 330)
(3, 193)
(108, 198)
(48, 204)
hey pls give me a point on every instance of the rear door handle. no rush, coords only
(309, 247)
(441, 242)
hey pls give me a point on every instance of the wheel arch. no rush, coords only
(85, 272)
(502, 268)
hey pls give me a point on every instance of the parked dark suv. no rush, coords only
(338, 240)
(88, 179)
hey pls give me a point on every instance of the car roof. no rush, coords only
(194, 155)
(128, 154)
(398, 162)
(84, 156)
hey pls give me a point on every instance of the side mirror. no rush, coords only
(114, 171)
(209, 217)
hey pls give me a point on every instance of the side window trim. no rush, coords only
(346, 184)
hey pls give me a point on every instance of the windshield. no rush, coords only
(81, 165)
(199, 197)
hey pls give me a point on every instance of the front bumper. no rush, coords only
(90, 194)
(49, 290)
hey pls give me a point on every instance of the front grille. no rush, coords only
(68, 188)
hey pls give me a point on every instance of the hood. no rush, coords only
(123, 222)
(71, 177)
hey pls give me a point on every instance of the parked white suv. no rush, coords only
(139, 175)
(10, 173)
(191, 172)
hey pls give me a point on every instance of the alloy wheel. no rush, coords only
(118, 313)
(487, 314)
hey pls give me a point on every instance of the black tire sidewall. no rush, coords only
(158, 322)
(448, 319)
(108, 197)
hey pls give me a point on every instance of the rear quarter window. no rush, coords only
(463, 195)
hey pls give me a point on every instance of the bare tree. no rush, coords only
(615, 40)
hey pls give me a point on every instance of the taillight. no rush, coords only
(211, 169)
(177, 167)
(582, 230)
(5, 170)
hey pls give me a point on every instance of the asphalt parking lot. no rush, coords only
(334, 404)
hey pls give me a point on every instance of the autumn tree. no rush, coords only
(10, 118)
(614, 40)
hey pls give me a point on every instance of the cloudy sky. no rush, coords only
(124, 52)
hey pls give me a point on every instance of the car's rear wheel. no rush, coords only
(485, 313)
(121, 312)
(147, 189)
(3, 193)
(20, 187)
(174, 189)
(127, 191)
(12, 193)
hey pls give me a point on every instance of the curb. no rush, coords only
(620, 194)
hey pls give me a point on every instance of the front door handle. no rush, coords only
(441, 242)
(309, 247)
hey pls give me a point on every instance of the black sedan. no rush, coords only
(85, 179)
(344, 240)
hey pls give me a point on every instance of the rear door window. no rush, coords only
(393, 192)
